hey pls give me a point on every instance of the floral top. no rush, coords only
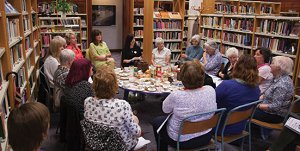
(279, 94)
(199, 100)
(60, 76)
(115, 113)
(214, 63)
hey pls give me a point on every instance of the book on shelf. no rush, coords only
(175, 15)
(164, 15)
(156, 15)
(295, 30)
(83, 22)
(24, 6)
(9, 8)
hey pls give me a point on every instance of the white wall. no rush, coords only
(112, 35)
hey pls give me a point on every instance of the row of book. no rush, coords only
(65, 30)
(60, 22)
(226, 8)
(212, 21)
(241, 39)
(46, 39)
(21, 77)
(16, 54)
(276, 44)
(168, 35)
(84, 45)
(285, 28)
(13, 28)
(138, 33)
(28, 63)
(173, 46)
(138, 22)
(241, 51)
(266, 9)
(44, 8)
(175, 56)
(167, 25)
(24, 9)
(26, 23)
(140, 44)
(138, 11)
(9, 8)
(247, 9)
(209, 33)
(84, 34)
(239, 24)
(34, 20)
(166, 15)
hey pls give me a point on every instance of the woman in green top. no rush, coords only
(98, 51)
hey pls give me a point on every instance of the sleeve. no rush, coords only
(221, 93)
(168, 104)
(168, 52)
(188, 51)
(278, 98)
(213, 63)
(93, 51)
(199, 55)
(133, 127)
(105, 47)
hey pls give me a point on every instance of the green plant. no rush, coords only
(61, 6)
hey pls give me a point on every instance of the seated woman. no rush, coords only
(200, 99)
(263, 57)
(194, 51)
(277, 97)
(105, 109)
(241, 89)
(161, 55)
(66, 59)
(212, 58)
(131, 52)
(232, 54)
(72, 44)
(57, 44)
(99, 52)
(28, 126)
(77, 86)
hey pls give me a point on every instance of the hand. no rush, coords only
(263, 106)
(183, 56)
(221, 75)
(135, 119)
(109, 59)
(261, 97)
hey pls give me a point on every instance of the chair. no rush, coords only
(101, 137)
(294, 108)
(236, 115)
(46, 87)
(188, 127)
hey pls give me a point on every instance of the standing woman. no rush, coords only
(194, 51)
(72, 45)
(99, 52)
(160, 55)
(57, 44)
(263, 58)
(131, 52)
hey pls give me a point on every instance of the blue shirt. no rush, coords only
(214, 63)
(193, 52)
(230, 94)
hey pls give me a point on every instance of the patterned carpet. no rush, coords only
(146, 111)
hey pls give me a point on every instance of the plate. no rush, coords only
(151, 89)
(124, 78)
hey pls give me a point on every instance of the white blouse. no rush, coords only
(160, 57)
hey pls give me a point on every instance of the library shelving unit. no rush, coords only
(18, 45)
(247, 32)
(138, 21)
(81, 11)
(185, 26)
(54, 26)
(247, 7)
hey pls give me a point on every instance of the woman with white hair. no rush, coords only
(66, 59)
(160, 55)
(194, 51)
(278, 95)
(212, 58)
(232, 54)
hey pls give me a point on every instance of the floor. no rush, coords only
(146, 111)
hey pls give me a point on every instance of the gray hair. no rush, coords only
(284, 63)
(66, 56)
(231, 51)
(197, 38)
(61, 39)
(212, 44)
(159, 40)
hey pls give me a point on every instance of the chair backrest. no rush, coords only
(188, 127)
(238, 114)
(45, 80)
(101, 137)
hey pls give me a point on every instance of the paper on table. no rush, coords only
(141, 143)
(293, 124)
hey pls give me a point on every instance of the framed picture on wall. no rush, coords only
(104, 15)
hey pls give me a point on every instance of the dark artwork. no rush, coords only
(104, 15)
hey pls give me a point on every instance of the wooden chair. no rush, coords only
(188, 127)
(236, 115)
(294, 108)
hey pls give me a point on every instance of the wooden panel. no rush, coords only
(148, 26)
(287, 5)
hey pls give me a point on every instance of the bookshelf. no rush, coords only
(247, 32)
(78, 9)
(54, 26)
(20, 38)
(242, 7)
(138, 21)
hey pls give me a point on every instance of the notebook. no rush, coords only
(293, 124)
